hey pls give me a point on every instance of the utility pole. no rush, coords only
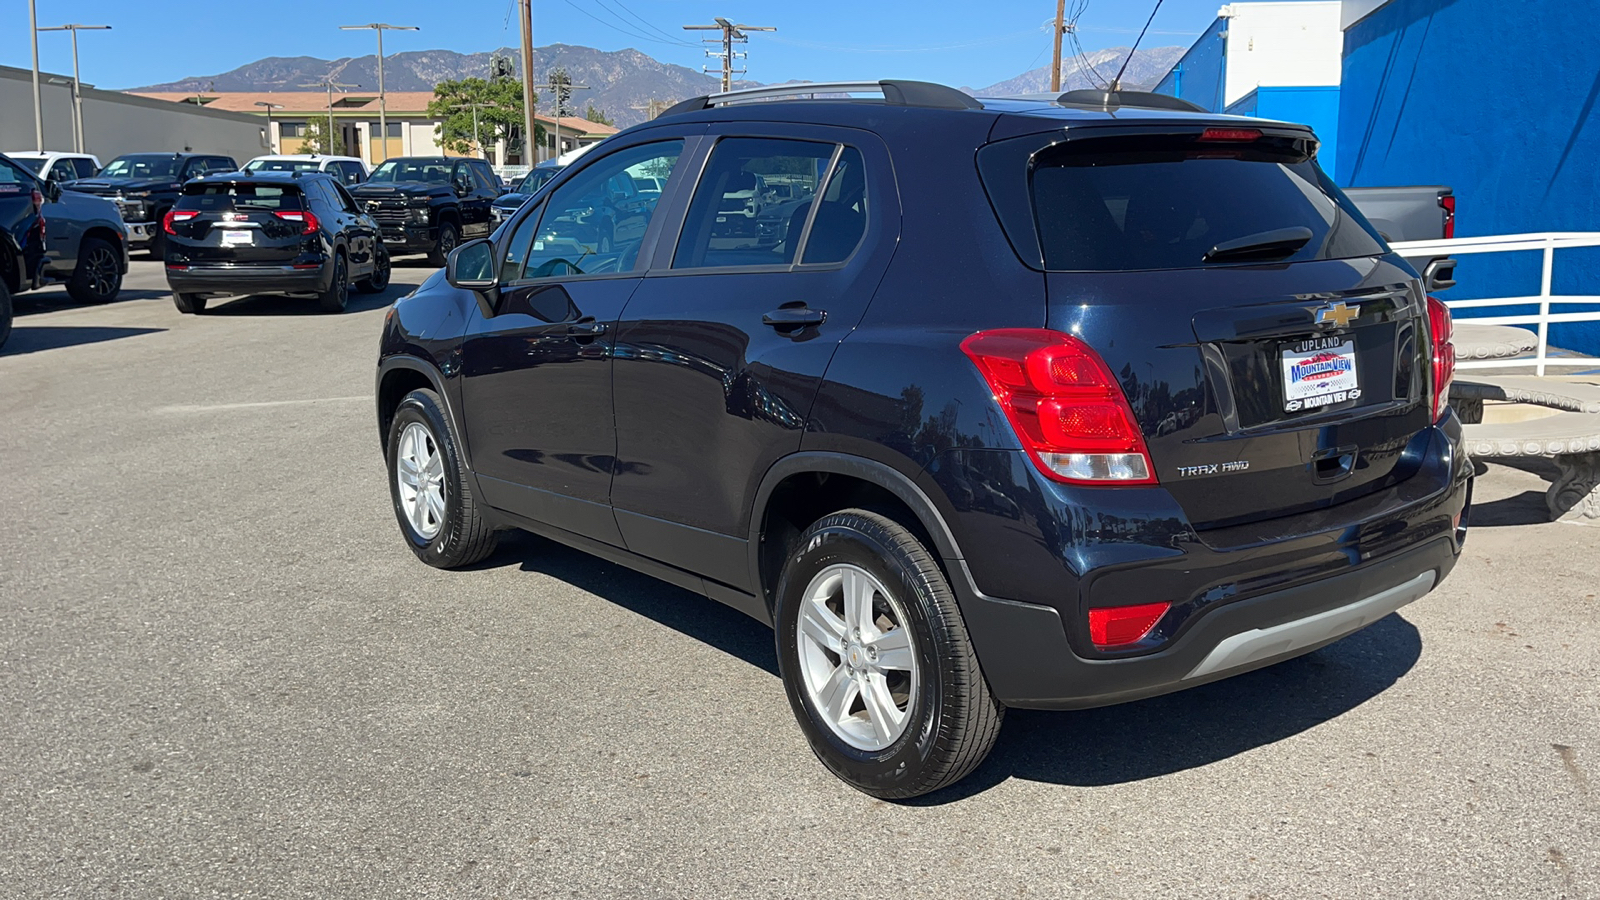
(473, 104)
(731, 34)
(530, 100)
(561, 87)
(330, 84)
(1061, 27)
(651, 108)
(272, 143)
(38, 108)
(383, 104)
(77, 85)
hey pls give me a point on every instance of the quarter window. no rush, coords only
(594, 223)
(752, 203)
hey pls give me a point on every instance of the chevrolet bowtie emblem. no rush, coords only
(1337, 314)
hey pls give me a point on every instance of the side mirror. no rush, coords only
(52, 191)
(470, 267)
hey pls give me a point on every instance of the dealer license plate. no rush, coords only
(237, 238)
(1319, 372)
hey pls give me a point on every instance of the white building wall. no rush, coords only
(115, 123)
(420, 139)
(1281, 44)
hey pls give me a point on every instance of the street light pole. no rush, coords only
(272, 143)
(383, 104)
(38, 109)
(77, 83)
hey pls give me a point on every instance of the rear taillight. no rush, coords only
(1115, 626)
(1230, 134)
(38, 200)
(1448, 204)
(1064, 404)
(307, 220)
(176, 215)
(1444, 354)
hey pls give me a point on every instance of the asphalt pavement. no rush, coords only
(222, 674)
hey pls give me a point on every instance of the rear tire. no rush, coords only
(891, 697)
(98, 275)
(378, 281)
(441, 520)
(449, 239)
(158, 243)
(189, 304)
(337, 296)
(5, 310)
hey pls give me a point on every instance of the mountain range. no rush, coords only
(620, 82)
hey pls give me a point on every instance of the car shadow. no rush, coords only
(280, 305)
(34, 338)
(51, 299)
(1085, 748)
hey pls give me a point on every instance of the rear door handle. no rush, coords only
(794, 317)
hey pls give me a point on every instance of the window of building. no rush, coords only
(291, 129)
(394, 129)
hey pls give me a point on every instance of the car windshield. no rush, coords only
(142, 165)
(282, 165)
(536, 179)
(34, 164)
(434, 171)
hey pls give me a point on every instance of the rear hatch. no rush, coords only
(242, 223)
(1272, 349)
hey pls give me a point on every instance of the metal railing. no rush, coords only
(1548, 243)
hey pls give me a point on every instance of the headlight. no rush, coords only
(420, 202)
(419, 215)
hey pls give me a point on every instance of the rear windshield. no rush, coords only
(141, 166)
(283, 165)
(236, 196)
(1170, 202)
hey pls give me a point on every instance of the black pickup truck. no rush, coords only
(429, 204)
(48, 234)
(145, 185)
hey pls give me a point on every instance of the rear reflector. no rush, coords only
(1231, 134)
(1440, 331)
(1066, 408)
(1114, 626)
(1448, 204)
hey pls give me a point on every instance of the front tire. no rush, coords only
(98, 276)
(449, 237)
(441, 520)
(337, 296)
(876, 659)
(189, 304)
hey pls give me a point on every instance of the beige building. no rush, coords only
(412, 132)
(115, 123)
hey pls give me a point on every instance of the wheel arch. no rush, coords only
(117, 239)
(400, 375)
(811, 484)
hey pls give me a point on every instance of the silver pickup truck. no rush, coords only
(1424, 213)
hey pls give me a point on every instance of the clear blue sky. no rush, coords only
(968, 43)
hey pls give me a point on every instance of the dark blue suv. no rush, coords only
(1044, 402)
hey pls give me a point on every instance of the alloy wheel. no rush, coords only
(857, 663)
(419, 474)
(102, 271)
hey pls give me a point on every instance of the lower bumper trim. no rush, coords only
(1258, 644)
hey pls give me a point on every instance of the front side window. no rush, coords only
(752, 204)
(595, 223)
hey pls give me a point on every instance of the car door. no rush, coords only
(721, 350)
(536, 374)
(475, 197)
(360, 232)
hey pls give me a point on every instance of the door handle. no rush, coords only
(794, 317)
(586, 328)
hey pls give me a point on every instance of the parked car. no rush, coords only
(57, 166)
(1425, 213)
(349, 170)
(145, 185)
(50, 235)
(1048, 404)
(427, 204)
(271, 232)
(526, 187)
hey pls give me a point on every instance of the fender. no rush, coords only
(427, 370)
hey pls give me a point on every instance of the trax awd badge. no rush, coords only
(1238, 465)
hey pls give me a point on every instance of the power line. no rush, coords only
(630, 33)
(1116, 83)
(841, 48)
(669, 36)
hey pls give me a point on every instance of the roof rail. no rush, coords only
(1096, 99)
(922, 94)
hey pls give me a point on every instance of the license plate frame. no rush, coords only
(242, 237)
(1319, 372)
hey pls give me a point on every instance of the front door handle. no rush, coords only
(794, 317)
(586, 328)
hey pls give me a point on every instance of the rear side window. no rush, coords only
(85, 167)
(1171, 202)
(227, 197)
(737, 218)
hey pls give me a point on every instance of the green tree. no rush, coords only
(498, 104)
(596, 116)
(318, 139)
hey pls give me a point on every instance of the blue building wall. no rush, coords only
(1198, 76)
(1314, 106)
(1497, 100)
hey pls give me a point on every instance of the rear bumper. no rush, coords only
(1241, 599)
(249, 279)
